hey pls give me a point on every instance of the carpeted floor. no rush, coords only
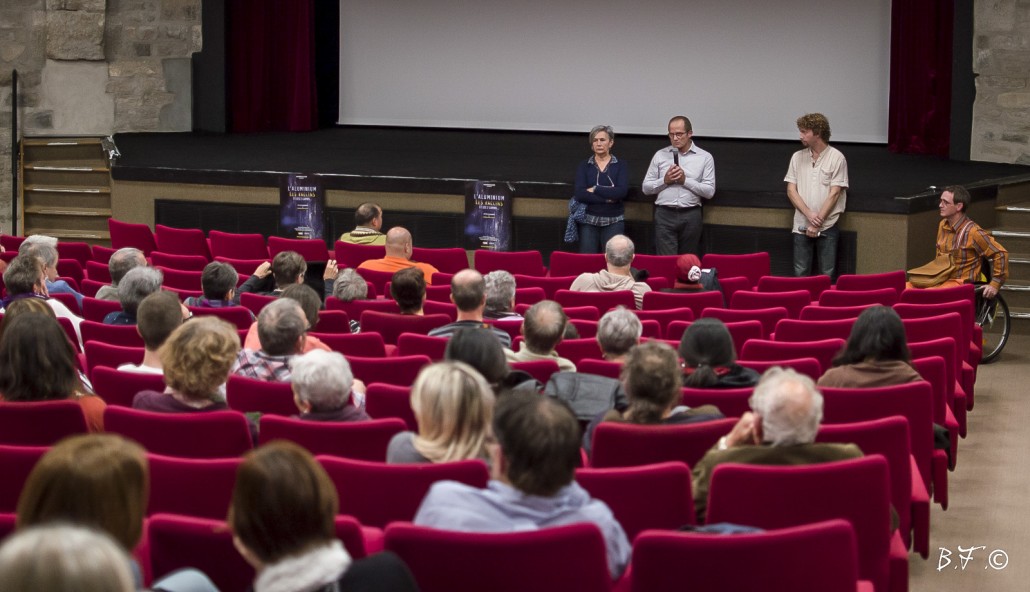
(989, 490)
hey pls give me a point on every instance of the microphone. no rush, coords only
(675, 157)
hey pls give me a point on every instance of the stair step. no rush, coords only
(1015, 287)
(92, 141)
(1010, 232)
(65, 189)
(1019, 313)
(70, 234)
(67, 166)
(68, 211)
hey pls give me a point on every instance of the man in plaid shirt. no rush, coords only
(281, 329)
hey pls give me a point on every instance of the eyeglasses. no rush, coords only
(677, 134)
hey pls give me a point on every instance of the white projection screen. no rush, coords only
(737, 68)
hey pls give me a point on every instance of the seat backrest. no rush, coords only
(823, 350)
(240, 316)
(793, 301)
(356, 344)
(238, 246)
(752, 266)
(563, 263)
(311, 249)
(599, 367)
(643, 497)
(550, 284)
(40, 423)
(244, 267)
(449, 260)
(854, 490)
(255, 302)
(181, 280)
(354, 308)
(913, 401)
(16, 462)
(578, 349)
(815, 284)
(541, 370)
(817, 557)
(181, 241)
(352, 255)
(883, 296)
(617, 444)
(99, 353)
(414, 344)
(658, 266)
(555, 559)
(962, 307)
(390, 400)
(530, 295)
(740, 332)
(95, 310)
(177, 542)
(379, 279)
(90, 289)
(810, 367)
(392, 326)
(97, 271)
(119, 388)
(938, 295)
(71, 271)
(363, 440)
(933, 369)
(377, 493)
(179, 262)
(814, 312)
(796, 330)
(733, 402)
(872, 281)
(102, 254)
(248, 395)
(208, 434)
(666, 317)
(935, 327)
(514, 262)
(125, 335)
(767, 316)
(176, 482)
(602, 301)
(697, 302)
(889, 438)
(127, 234)
(437, 308)
(944, 348)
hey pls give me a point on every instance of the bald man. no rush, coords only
(618, 256)
(468, 293)
(398, 255)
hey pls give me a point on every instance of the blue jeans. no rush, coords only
(592, 239)
(823, 246)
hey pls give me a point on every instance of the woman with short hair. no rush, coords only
(602, 182)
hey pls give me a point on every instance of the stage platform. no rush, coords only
(421, 173)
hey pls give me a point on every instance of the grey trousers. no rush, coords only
(677, 231)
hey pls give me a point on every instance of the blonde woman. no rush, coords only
(454, 407)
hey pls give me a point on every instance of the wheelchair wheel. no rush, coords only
(993, 317)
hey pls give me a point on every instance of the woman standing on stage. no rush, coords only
(602, 182)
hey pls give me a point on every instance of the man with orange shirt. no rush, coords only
(398, 255)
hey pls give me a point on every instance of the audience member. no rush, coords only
(710, 359)
(368, 221)
(500, 296)
(542, 331)
(38, 363)
(218, 281)
(618, 331)
(876, 353)
(534, 463)
(653, 382)
(408, 289)
(66, 558)
(349, 286)
(285, 269)
(398, 255)
(322, 387)
(307, 298)
(137, 284)
(118, 265)
(159, 314)
(281, 327)
(691, 278)
(468, 293)
(25, 278)
(196, 359)
(786, 410)
(282, 517)
(45, 247)
(483, 352)
(453, 405)
(618, 254)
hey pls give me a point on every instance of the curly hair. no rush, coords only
(198, 355)
(817, 123)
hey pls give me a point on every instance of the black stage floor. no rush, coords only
(749, 173)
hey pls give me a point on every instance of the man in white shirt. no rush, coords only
(817, 183)
(682, 176)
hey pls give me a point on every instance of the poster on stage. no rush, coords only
(488, 215)
(301, 207)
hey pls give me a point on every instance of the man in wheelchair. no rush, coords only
(969, 244)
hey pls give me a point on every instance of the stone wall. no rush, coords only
(94, 67)
(1001, 59)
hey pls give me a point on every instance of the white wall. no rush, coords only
(737, 68)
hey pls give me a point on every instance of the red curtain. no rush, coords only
(271, 65)
(920, 84)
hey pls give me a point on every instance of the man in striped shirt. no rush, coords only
(968, 244)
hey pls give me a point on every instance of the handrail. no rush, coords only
(14, 152)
